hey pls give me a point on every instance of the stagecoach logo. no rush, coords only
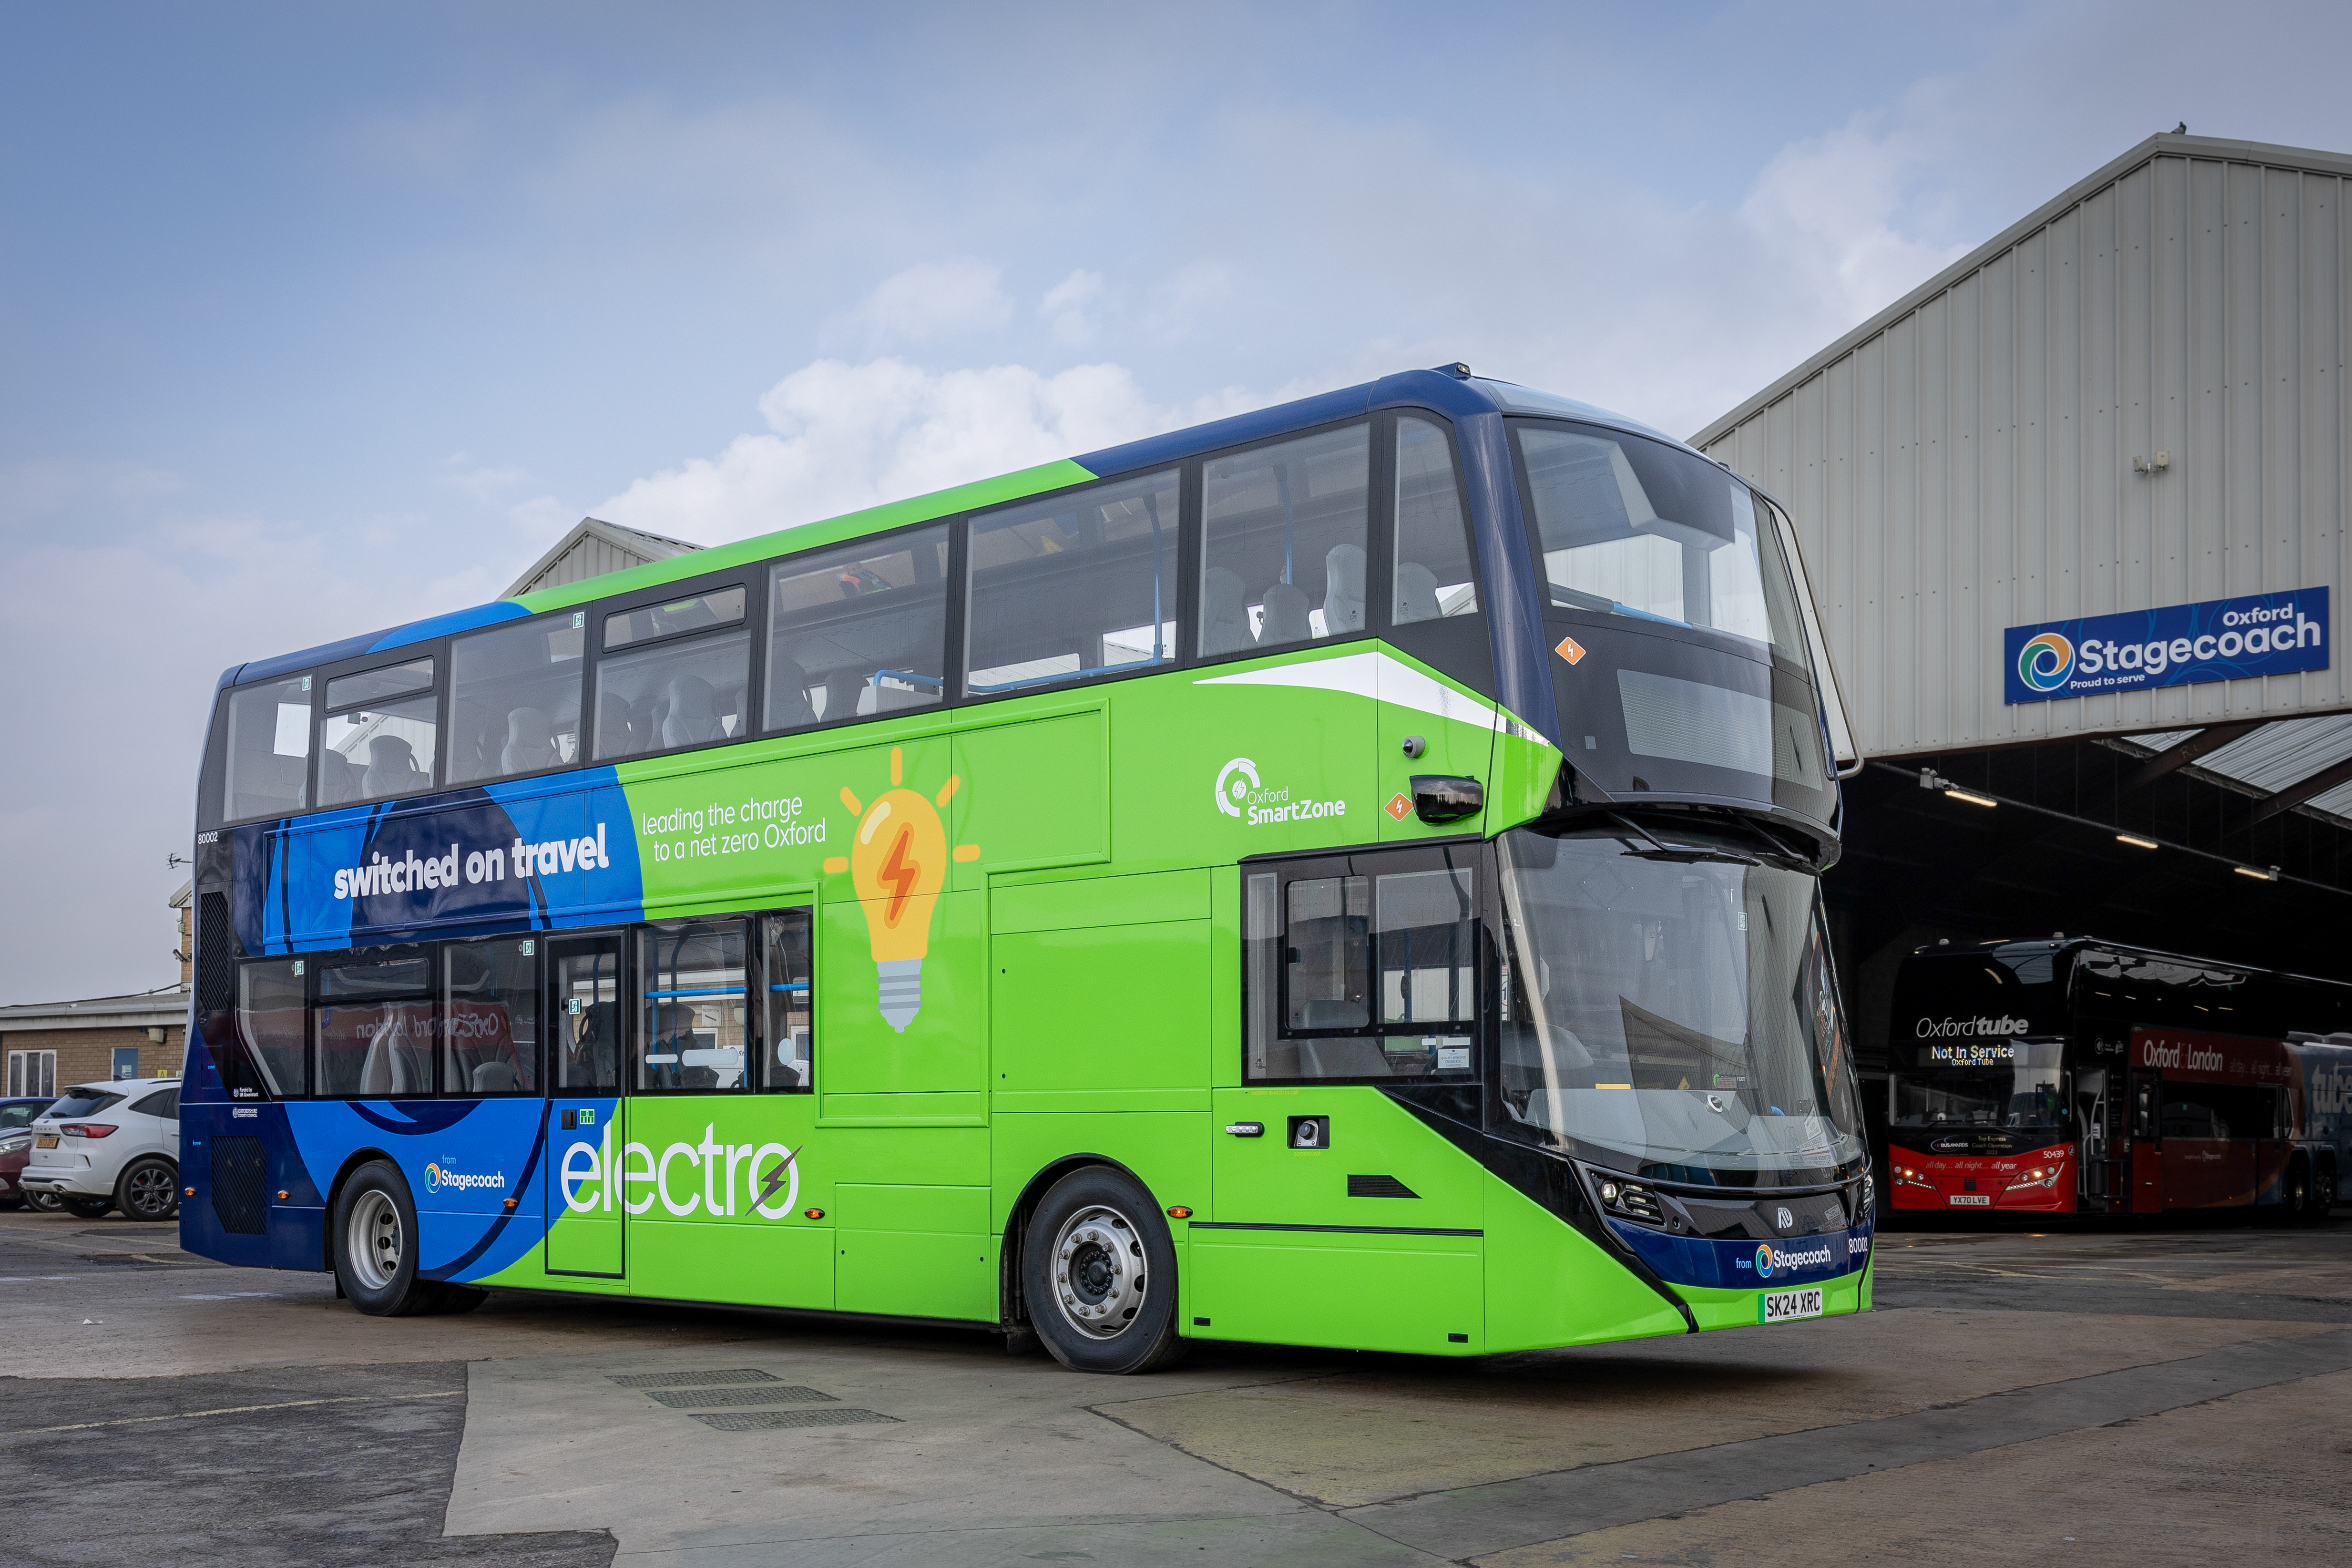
(1240, 794)
(1770, 1259)
(1930, 1028)
(439, 1178)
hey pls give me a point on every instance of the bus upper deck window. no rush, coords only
(269, 750)
(377, 740)
(679, 678)
(1076, 585)
(514, 699)
(1434, 578)
(858, 630)
(1283, 541)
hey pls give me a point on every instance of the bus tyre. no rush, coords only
(1099, 1273)
(148, 1189)
(2324, 1195)
(375, 1245)
(2295, 1191)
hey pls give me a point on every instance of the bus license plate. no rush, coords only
(1779, 1306)
(1972, 1200)
(46, 1141)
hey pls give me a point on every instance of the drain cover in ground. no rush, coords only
(753, 1420)
(703, 1399)
(691, 1379)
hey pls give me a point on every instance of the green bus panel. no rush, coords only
(578, 1243)
(920, 1251)
(1548, 1285)
(765, 1266)
(1168, 1152)
(1373, 1140)
(1410, 1293)
(1114, 1008)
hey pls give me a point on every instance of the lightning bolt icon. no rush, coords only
(900, 876)
(774, 1179)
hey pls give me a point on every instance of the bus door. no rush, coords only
(584, 1193)
(2092, 1177)
(2147, 1149)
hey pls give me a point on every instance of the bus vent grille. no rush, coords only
(215, 972)
(689, 1379)
(239, 1198)
(707, 1398)
(757, 1420)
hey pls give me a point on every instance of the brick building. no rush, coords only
(45, 1046)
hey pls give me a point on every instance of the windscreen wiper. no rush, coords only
(1684, 854)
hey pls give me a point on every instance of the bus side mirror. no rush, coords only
(1446, 797)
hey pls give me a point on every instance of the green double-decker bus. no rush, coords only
(1346, 875)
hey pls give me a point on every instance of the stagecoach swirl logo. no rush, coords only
(1764, 1263)
(432, 1178)
(2045, 662)
(1235, 782)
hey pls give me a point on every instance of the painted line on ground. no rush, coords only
(241, 1410)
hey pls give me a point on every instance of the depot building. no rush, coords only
(2074, 510)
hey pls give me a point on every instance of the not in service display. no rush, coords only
(2174, 644)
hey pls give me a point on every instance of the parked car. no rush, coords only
(17, 1144)
(108, 1145)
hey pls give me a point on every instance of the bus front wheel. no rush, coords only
(375, 1245)
(1100, 1272)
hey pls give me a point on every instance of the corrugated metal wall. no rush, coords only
(591, 555)
(1964, 463)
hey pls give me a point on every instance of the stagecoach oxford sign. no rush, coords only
(2175, 645)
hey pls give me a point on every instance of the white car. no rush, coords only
(108, 1144)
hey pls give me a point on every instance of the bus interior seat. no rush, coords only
(1225, 618)
(388, 1067)
(893, 697)
(1416, 593)
(1343, 591)
(646, 717)
(338, 779)
(843, 690)
(495, 1077)
(693, 716)
(1286, 616)
(391, 767)
(788, 699)
(531, 742)
(1342, 1058)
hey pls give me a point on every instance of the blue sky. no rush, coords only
(314, 319)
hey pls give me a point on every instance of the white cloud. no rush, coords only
(935, 299)
(841, 437)
(1065, 306)
(1828, 207)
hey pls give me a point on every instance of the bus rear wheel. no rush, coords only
(2323, 1194)
(376, 1246)
(1100, 1272)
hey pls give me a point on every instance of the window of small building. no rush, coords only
(269, 750)
(678, 678)
(378, 738)
(858, 630)
(1283, 537)
(489, 1016)
(514, 698)
(1077, 587)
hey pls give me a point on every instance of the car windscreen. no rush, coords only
(20, 1114)
(81, 1102)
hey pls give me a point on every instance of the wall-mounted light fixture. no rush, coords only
(2136, 841)
(2259, 873)
(2154, 465)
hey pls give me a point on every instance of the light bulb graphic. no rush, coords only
(898, 862)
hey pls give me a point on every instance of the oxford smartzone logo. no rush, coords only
(2174, 644)
(1240, 794)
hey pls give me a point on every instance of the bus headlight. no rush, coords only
(2041, 1177)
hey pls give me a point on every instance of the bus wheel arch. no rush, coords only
(1107, 1219)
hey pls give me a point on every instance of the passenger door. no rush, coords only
(2146, 1175)
(586, 1216)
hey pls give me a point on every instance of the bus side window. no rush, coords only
(673, 675)
(269, 750)
(1432, 547)
(273, 1019)
(693, 1031)
(858, 630)
(1283, 541)
(1073, 587)
(786, 1061)
(489, 1016)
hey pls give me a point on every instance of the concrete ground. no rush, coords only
(2085, 1398)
